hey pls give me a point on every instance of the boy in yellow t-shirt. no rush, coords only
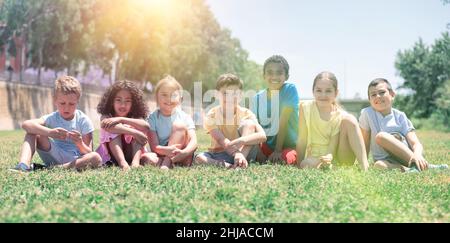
(234, 129)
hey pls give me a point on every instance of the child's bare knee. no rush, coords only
(26, 125)
(247, 125)
(179, 126)
(349, 121)
(381, 137)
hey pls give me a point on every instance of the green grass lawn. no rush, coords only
(262, 193)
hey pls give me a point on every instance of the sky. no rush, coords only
(356, 40)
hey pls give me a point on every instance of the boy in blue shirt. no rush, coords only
(62, 138)
(276, 109)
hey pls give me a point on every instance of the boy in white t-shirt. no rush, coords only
(389, 134)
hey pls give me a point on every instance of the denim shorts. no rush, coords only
(224, 156)
(57, 155)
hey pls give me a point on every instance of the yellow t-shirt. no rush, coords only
(320, 131)
(215, 119)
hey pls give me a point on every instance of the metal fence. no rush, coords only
(90, 86)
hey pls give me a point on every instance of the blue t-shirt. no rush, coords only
(162, 125)
(80, 123)
(375, 122)
(268, 112)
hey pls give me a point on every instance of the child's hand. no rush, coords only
(172, 148)
(326, 159)
(167, 150)
(420, 161)
(275, 157)
(236, 144)
(178, 155)
(140, 137)
(75, 136)
(110, 122)
(240, 161)
(58, 133)
(230, 149)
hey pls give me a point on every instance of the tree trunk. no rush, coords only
(22, 58)
(41, 60)
(39, 76)
(117, 68)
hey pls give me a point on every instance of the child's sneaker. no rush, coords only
(438, 167)
(412, 169)
(21, 167)
(35, 166)
(430, 167)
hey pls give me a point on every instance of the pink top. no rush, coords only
(106, 137)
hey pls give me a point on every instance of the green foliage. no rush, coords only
(443, 103)
(137, 40)
(405, 103)
(261, 193)
(425, 71)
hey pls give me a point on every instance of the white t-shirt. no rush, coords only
(375, 122)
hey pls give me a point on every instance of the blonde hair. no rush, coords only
(168, 81)
(67, 85)
(329, 76)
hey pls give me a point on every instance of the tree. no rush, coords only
(446, 2)
(135, 39)
(443, 103)
(56, 29)
(178, 37)
(424, 70)
(20, 17)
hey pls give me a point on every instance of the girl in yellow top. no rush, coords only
(326, 132)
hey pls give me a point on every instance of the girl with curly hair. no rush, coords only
(123, 133)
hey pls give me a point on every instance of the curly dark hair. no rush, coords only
(139, 108)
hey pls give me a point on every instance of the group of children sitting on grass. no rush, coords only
(317, 133)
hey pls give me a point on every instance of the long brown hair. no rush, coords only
(332, 78)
